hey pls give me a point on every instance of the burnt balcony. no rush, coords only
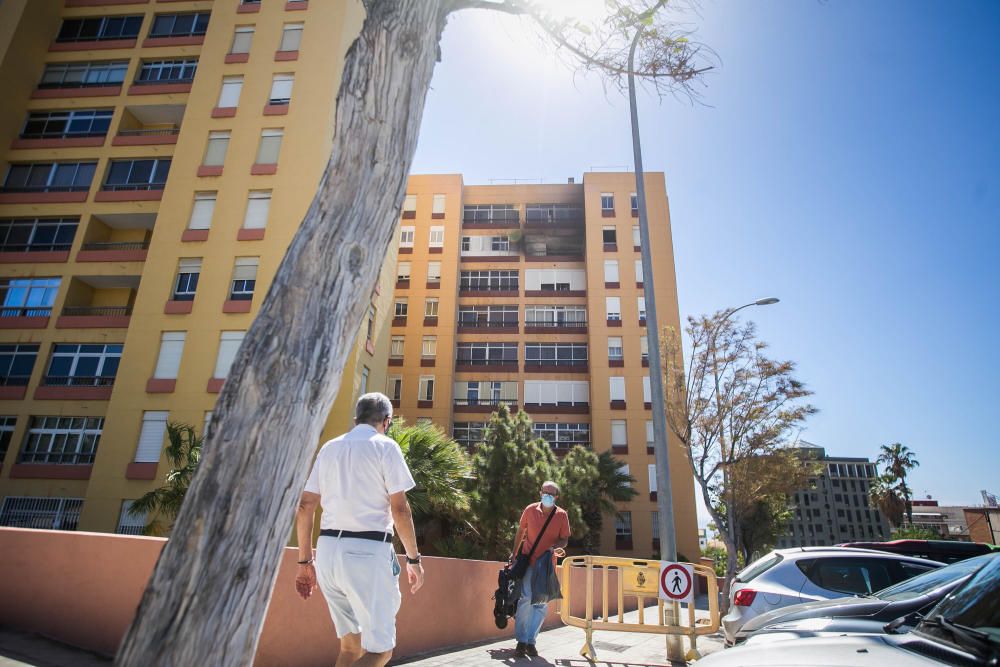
(482, 404)
(489, 216)
(488, 326)
(553, 215)
(500, 365)
(556, 366)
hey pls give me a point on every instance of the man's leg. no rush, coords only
(350, 650)
(373, 659)
(538, 612)
(523, 616)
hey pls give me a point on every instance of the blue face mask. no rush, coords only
(548, 500)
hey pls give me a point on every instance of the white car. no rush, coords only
(791, 576)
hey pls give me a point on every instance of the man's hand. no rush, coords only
(305, 581)
(415, 573)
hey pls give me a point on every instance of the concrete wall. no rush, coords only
(83, 589)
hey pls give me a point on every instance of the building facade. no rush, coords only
(837, 508)
(532, 295)
(157, 158)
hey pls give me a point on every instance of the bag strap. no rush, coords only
(542, 532)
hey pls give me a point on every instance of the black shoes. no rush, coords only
(531, 650)
(521, 650)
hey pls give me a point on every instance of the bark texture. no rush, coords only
(207, 598)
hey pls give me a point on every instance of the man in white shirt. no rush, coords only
(360, 479)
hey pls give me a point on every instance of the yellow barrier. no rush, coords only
(639, 579)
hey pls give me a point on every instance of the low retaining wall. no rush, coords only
(83, 589)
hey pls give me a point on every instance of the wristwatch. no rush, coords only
(413, 561)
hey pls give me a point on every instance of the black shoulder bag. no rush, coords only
(521, 561)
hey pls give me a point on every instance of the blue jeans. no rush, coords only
(529, 617)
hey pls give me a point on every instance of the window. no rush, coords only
(485, 393)
(394, 387)
(137, 174)
(641, 301)
(607, 203)
(487, 316)
(468, 434)
(50, 177)
(613, 307)
(634, 202)
(656, 525)
(490, 213)
(426, 388)
(555, 279)
(486, 245)
(483, 354)
(488, 281)
(400, 308)
(291, 37)
(270, 146)
(546, 213)
(650, 437)
(644, 347)
(555, 316)
(363, 388)
(244, 278)
(623, 526)
(37, 234)
(93, 365)
(651, 469)
(258, 209)
(281, 89)
(619, 433)
(617, 386)
(28, 297)
(215, 152)
(188, 271)
(78, 75)
(611, 271)
(647, 396)
(202, 210)
(555, 354)
(67, 124)
(430, 307)
(437, 205)
(403, 271)
(150, 445)
(410, 206)
(242, 39)
(563, 437)
(167, 71)
(853, 576)
(428, 348)
(370, 325)
(99, 28)
(6, 433)
(229, 345)
(406, 237)
(638, 271)
(437, 237)
(557, 392)
(396, 347)
(62, 440)
(179, 25)
(636, 236)
(41, 513)
(168, 363)
(229, 94)
(16, 364)
(615, 351)
(433, 272)
(128, 523)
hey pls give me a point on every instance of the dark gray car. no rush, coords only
(865, 614)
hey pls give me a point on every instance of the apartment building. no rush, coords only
(532, 295)
(837, 507)
(156, 159)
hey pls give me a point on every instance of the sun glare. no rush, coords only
(586, 11)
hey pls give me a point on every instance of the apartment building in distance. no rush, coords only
(532, 295)
(837, 508)
(156, 159)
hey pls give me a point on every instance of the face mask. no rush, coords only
(548, 500)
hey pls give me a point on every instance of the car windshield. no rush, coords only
(759, 567)
(933, 580)
(970, 617)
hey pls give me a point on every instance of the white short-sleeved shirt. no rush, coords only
(354, 476)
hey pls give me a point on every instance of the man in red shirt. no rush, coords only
(529, 617)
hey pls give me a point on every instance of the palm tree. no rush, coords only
(592, 484)
(162, 505)
(897, 459)
(440, 468)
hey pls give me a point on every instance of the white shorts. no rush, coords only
(360, 581)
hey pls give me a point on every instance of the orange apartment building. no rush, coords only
(156, 159)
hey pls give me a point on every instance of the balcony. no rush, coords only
(553, 216)
(488, 326)
(490, 217)
(537, 327)
(113, 251)
(75, 388)
(149, 125)
(481, 404)
(117, 237)
(499, 365)
(563, 407)
(24, 243)
(98, 302)
(556, 366)
(486, 289)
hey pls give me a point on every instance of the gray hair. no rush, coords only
(373, 409)
(549, 482)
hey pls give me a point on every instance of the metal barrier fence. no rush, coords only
(638, 579)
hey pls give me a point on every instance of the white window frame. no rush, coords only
(436, 238)
(400, 305)
(616, 350)
(607, 202)
(433, 272)
(428, 347)
(394, 387)
(638, 271)
(611, 271)
(243, 282)
(281, 88)
(403, 271)
(406, 234)
(619, 433)
(651, 471)
(425, 388)
(647, 393)
(432, 306)
(410, 204)
(438, 204)
(641, 303)
(76, 445)
(396, 347)
(650, 438)
(644, 347)
(186, 266)
(613, 307)
(636, 236)
(616, 387)
(168, 361)
(129, 524)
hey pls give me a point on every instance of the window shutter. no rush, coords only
(652, 477)
(610, 270)
(291, 37)
(201, 212)
(281, 88)
(647, 394)
(242, 39)
(619, 433)
(171, 350)
(154, 427)
(258, 208)
(438, 204)
(270, 146)
(215, 153)
(246, 268)
(189, 265)
(230, 94)
(410, 203)
(617, 388)
(229, 345)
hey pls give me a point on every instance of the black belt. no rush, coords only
(373, 535)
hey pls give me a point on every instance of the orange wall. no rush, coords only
(83, 588)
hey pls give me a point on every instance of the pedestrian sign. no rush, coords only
(676, 582)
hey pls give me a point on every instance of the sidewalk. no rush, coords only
(22, 649)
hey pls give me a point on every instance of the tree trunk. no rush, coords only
(206, 600)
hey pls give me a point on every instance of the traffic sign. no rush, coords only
(676, 582)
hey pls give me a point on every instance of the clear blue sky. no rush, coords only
(846, 158)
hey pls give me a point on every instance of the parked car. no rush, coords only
(961, 630)
(943, 551)
(791, 576)
(905, 601)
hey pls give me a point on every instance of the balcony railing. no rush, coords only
(556, 325)
(555, 362)
(14, 380)
(131, 187)
(79, 381)
(35, 247)
(486, 362)
(30, 311)
(489, 402)
(499, 216)
(487, 287)
(488, 324)
(157, 82)
(62, 135)
(97, 311)
(155, 132)
(553, 213)
(116, 245)
(79, 84)
(46, 188)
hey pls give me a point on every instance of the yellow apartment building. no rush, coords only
(532, 295)
(157, 157)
